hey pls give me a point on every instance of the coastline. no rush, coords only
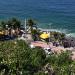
(67, 34)
(69, 39)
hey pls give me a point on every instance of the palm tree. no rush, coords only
(30, 24)
(15, 23)
(3, 24)
(12, 23)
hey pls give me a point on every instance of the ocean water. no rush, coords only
(53, 14)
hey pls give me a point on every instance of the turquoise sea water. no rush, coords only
(54, 14)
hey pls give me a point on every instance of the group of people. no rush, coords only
(8, 34)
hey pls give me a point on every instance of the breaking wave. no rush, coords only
(70, 34)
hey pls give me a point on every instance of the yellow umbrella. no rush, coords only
(44, 36)
(1, 32)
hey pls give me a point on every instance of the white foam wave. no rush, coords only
(50, 27)
(60, 30)
(70, 34)
(56, 30)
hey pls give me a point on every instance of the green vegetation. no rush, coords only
(31, 24)
(61, 64)
(35, 34)
(57, 36)
(17, 58)
(21, 60)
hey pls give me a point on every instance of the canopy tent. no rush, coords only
(44, 36)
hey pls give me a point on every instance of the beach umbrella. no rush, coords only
(1, 32)
(44, 36)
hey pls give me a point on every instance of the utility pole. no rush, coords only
(50, 31)
(25, 25)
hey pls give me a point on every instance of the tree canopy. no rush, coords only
(12, 23)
